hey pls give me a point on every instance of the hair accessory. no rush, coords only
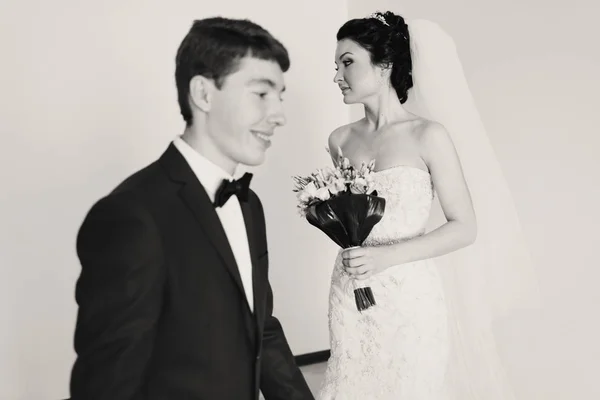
(379, 17)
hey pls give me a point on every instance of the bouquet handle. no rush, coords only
(363, 296)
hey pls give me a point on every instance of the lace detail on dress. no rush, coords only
(408, 193)
(397, 349)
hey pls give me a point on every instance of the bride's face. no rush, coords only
(356, 76)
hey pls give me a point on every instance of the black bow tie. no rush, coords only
(227, 189)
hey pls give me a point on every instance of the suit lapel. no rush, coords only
(197, 200)
(199, 203)
(258, 289)
(210, 222)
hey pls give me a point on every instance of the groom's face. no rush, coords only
(247, 109)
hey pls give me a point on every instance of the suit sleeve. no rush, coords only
(119, 294)
(281, 379)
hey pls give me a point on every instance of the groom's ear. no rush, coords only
(201, 89)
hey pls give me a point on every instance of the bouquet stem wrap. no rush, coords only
(348, 219)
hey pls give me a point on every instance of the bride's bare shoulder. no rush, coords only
(428, 130)
(338, 137)
(434, 140)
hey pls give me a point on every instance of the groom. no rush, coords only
(174, 298)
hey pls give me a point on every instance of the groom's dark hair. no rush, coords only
(213, 48)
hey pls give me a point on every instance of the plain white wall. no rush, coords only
(88, 97)
(532, 66)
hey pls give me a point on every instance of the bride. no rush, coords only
(437, 290)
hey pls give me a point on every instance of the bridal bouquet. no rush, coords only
(341, 202)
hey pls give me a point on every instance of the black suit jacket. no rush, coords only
(162, 311)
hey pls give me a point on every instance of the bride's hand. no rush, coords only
(363, 262)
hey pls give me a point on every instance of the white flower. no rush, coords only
(345, 163)
(328, 173)
(308, 193)
(326, 183)
(358, 186)
(323, 194)
(336, 185)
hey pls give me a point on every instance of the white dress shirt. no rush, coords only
(232, 219)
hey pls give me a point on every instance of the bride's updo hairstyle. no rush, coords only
(385, 36)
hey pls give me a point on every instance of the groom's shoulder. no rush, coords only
(148, 180)
(144, 186)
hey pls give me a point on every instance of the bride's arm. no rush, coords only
(460, 230)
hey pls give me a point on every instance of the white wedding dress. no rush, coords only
(430, 336)
(398, 349)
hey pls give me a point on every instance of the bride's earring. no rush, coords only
(385, 76)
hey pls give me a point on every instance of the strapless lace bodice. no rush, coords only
(396, 349)
(408, 194)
